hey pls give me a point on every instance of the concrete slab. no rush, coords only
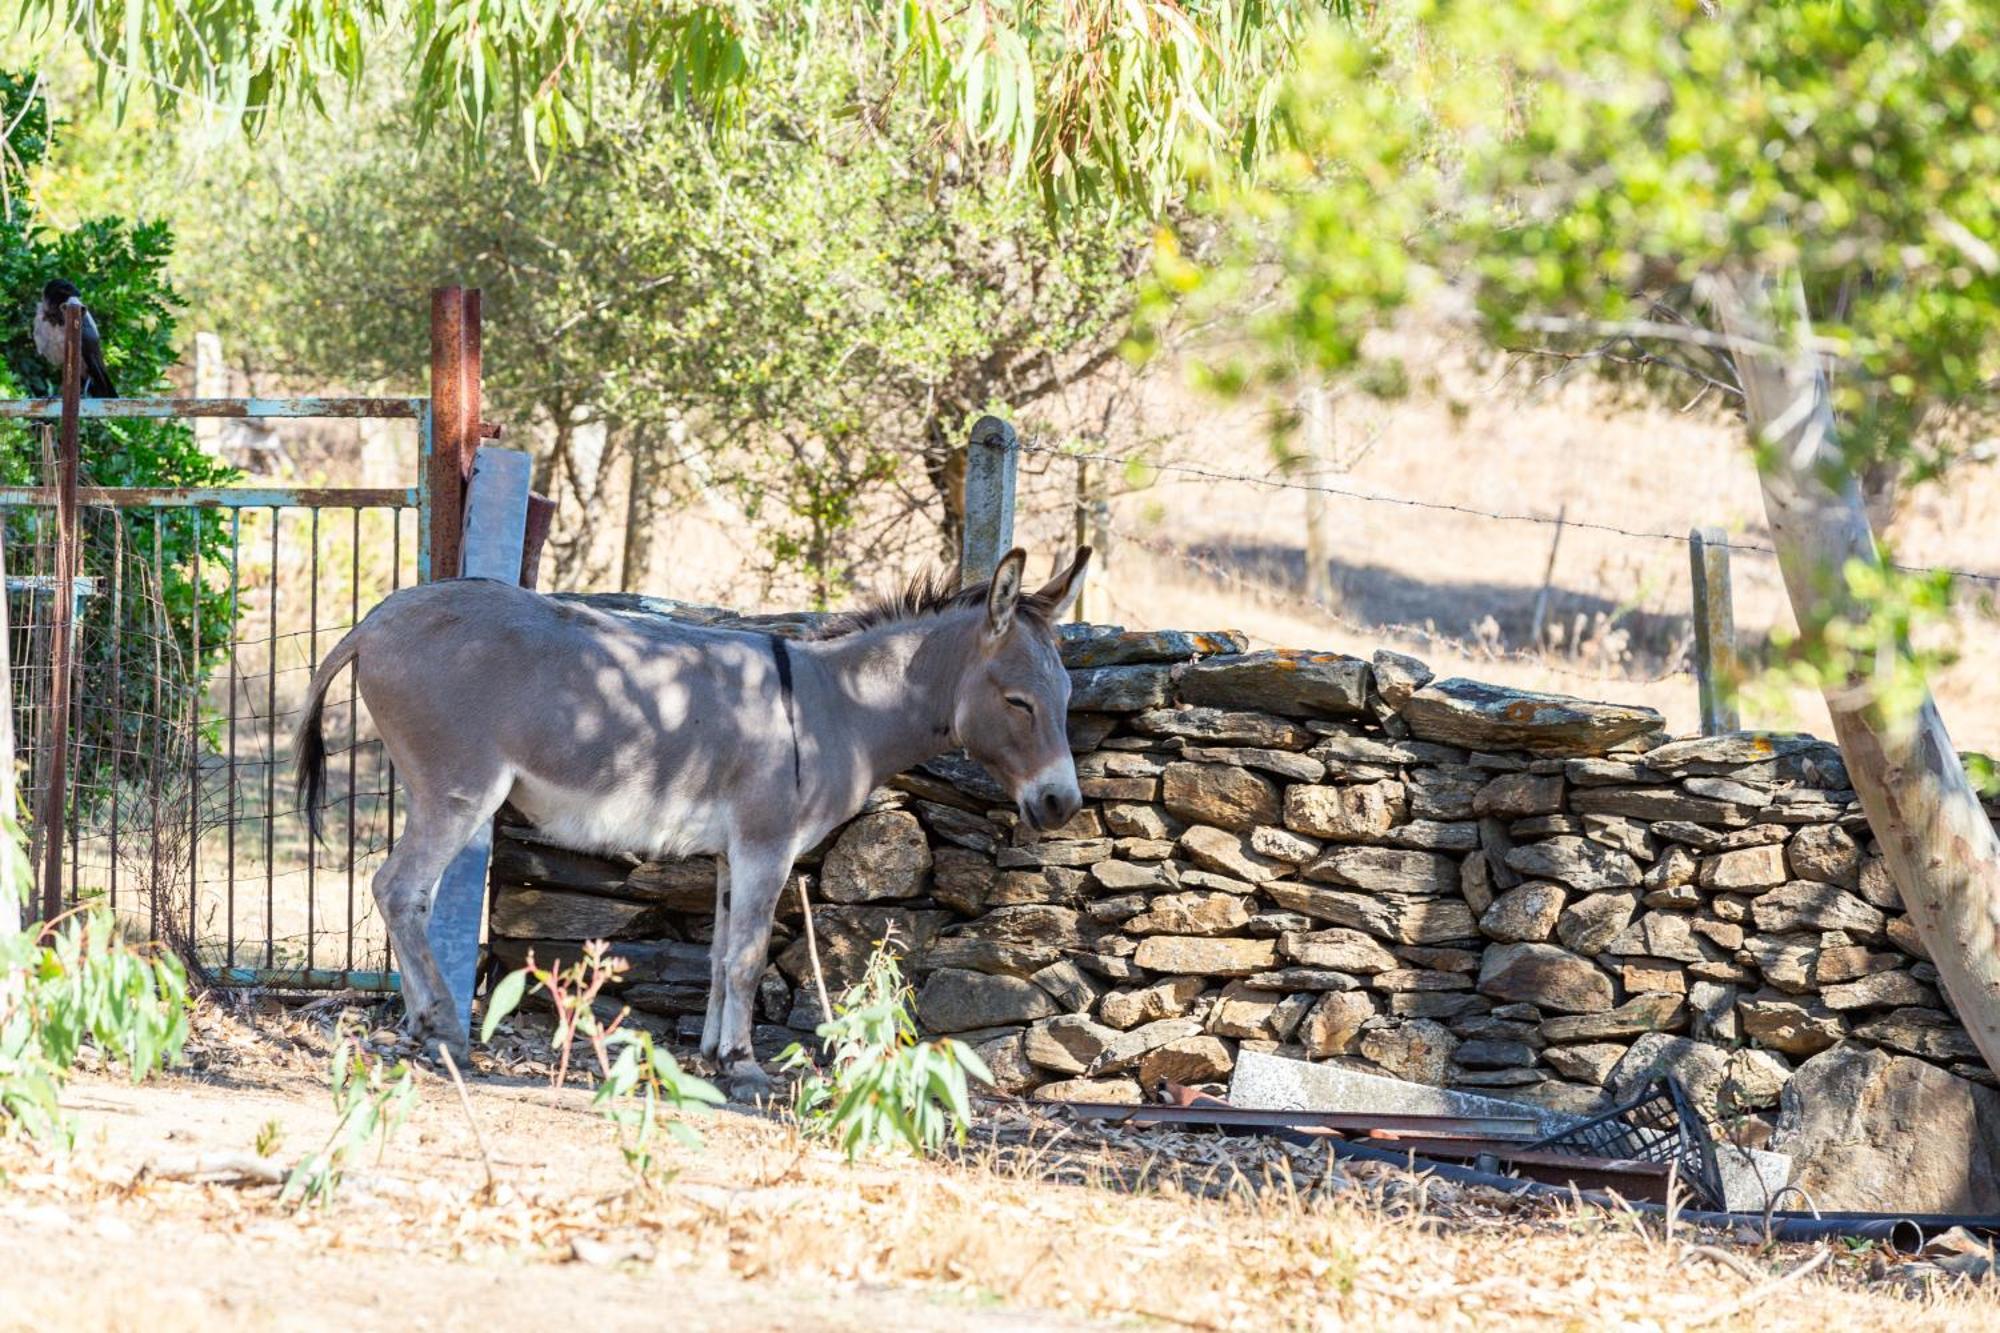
(1751, 1177)
(1274, 1083)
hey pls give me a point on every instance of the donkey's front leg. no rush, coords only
(756, 878)
(718, 957)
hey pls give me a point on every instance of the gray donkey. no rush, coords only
(611, 733)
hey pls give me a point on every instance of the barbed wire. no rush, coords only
(1446, 506)
(1465, 647)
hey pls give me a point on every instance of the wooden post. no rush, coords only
(1715, 666)
(1316, 413)
(1082, 518)
(1540, 619)
(496, 526)
(991, 457)
(541, 517)
(62, 612)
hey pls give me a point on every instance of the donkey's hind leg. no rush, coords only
(438, 831)
(718, 958)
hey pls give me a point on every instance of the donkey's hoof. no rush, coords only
(437, 1045)
(745, 1081)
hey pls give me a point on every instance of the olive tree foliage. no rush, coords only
(1790, 204)
(1084, 98)
(795, 327)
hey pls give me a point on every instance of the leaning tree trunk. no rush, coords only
(1940, 847)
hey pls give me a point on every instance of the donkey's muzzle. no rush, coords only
(1050, 804)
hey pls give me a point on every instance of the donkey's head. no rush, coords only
(1012, 711)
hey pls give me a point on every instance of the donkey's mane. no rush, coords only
(930, 593)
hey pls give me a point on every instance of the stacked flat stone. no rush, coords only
(1336, 859)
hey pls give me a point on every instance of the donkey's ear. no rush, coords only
(1005, 593)
(1060, 592)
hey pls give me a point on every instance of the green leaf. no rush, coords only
(504, 1000)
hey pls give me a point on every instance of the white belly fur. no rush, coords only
(619, 821)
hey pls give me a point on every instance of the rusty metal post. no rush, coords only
(1715, 666)
(62, 611)
(444, 473)
(472, 384)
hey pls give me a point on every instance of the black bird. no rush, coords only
(49, 338)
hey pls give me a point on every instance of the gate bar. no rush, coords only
(217, 497)
(61, 612)
(51, 409)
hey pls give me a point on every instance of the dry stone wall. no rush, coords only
(1462, 885)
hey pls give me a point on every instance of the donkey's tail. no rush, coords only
(310, 745)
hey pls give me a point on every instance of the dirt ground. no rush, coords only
(1037, 1224)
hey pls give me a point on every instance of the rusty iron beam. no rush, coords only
(62, 613)
(472, 373)
(306, 408)
(1220, 1115)
(216, 497)
(444, 473)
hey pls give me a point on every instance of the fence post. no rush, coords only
(1316, 419)
(451, 441)
(1714, 630)
(496, 525)
(990, 460)
(1082, 518)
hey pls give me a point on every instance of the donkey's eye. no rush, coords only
(1025, 705)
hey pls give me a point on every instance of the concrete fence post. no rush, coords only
(1715, 665)
(491, 547)
(991, 460)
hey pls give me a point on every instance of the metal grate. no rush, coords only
(1659, 1124)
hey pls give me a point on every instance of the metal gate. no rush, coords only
(160, 642)
(157, 756)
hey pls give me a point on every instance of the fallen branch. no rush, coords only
(1756, 1295)
(246, 1168)
(1716, 1254)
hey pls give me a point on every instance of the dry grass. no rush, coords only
(1036, 1224)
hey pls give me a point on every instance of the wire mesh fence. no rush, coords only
(199, 620)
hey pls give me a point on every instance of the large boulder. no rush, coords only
(1418, 1050)
(1527, 913)
(954, 1000)
(1578, 862)
(1590, 923)
(1804, 905)
(1873, 1131)
(1286, 681)
(1404, 918)
(1219, 794)
(1700, 1066)
(1199, 955)
(1358, 813)
(1387, 870)
(879, 856)
(1544, 975)
(1491, 717)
